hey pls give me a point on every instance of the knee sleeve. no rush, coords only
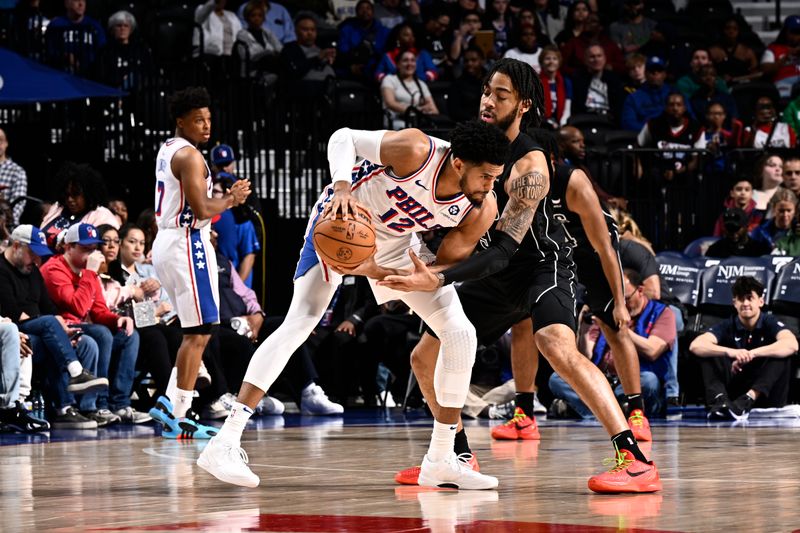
(454, 365)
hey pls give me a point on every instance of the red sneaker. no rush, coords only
(627, 475)
(640, 426)
(521, 426)
(410, 476)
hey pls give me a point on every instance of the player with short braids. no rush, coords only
(527, 84)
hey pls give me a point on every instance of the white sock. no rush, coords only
(442, 440)
(172, 385)
(182, 403)
(74, 368)
(233, 427)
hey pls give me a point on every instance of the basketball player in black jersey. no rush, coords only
(527, 270)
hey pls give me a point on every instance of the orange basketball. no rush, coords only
(345, 243)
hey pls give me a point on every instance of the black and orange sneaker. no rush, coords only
(520, 427)
(640, 426)
(410, 476)
(627, 475)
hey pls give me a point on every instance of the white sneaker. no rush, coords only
(227, 463)
(455, 473)
(203, 377)
(270, 406)
(227, 400)
(316, 402)
(215, 411)
(538, 408)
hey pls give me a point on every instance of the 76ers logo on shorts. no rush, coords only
(454, 210)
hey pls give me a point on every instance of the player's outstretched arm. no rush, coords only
(582, 199)
(189, 167)
(404, 151)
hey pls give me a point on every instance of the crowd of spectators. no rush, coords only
(93, 322)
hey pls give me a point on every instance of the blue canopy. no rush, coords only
(23, 81)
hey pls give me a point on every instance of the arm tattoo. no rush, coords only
(525, 193)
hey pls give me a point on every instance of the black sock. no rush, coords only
(635, 401)
(626, 441)
(524, 401)
(461, 444)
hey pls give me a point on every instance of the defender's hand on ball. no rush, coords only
(420, 279)
(369, 268)
(343, 202)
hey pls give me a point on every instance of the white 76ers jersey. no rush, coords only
(172, 208)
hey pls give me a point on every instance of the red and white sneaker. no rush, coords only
(640, 426)
(410, 476)
(627, 475)
(520, 427)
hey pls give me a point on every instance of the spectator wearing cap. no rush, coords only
(13, 179)
(597, 89)
(741, 197)
(219, 27)
(689, 83)
(70, 366)
(237, 238)
(735, 240)
(781, 60)
(74, 286)
(634, 29)
(362, 39)
(767, 130)
(650, 100)
(745, 357)
(277, 20)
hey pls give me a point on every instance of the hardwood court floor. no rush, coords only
(336, 475)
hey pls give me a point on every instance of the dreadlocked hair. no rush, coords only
(527, 85)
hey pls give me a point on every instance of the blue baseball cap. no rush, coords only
(33, 237)
(792, 23)
(84, 234)
(222, 154)
(655, 63)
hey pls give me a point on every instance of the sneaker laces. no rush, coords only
(519, 416)
(636, 418)
(620, 461)
(465, 459)
(238, 454)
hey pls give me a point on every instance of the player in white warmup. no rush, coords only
(409, 182)
(182, 253)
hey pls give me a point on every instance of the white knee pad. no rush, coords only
(454, 366)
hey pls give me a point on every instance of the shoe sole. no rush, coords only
(205, 465)
(424, 481)
(603, 489)
(89, 386)
(76, 425)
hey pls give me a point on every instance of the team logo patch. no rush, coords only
(92, 233)
(454, 210)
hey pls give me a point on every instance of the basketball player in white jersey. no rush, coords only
(409, 182)
(182, 253)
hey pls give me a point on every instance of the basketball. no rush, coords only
(345, 243)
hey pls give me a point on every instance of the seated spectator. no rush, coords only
(735, 59)
(69, 359)
(740, 196)
(791, 115)
(635, 68)
(789, 244)
(220, 27)
(14, 347)
(469, 23)
(767, 178)
(629, 230)
(690, 83)
(436, 39)
(405, 40)
(406, 97)
(672, 130)
(575, 50)
(574, 22)
(653, 332)
(236, 236)
(499, 20)
(362, 40)
(735, 239)
(716, 139)
(708, 93)
(791, 174)
(303, 59)
(780, 62)
(634, 29)
(767, 130)
(526, 50)
(261, 48)
(650, 100)
(557, 88)
(391, 13)
(277, 21)
(572, 147)
(595, 88)
(13, 180)
(82, 197)
(126, 59)
(782, 207)
(527, 15)
(120, 210)
(745, 357)
(550, 18)
(74, 40)
(466, 91)
(73, 285)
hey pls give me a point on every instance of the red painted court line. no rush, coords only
(292, 523)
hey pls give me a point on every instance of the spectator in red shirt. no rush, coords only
(72, 282)
(781, 59)
(741, 196)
